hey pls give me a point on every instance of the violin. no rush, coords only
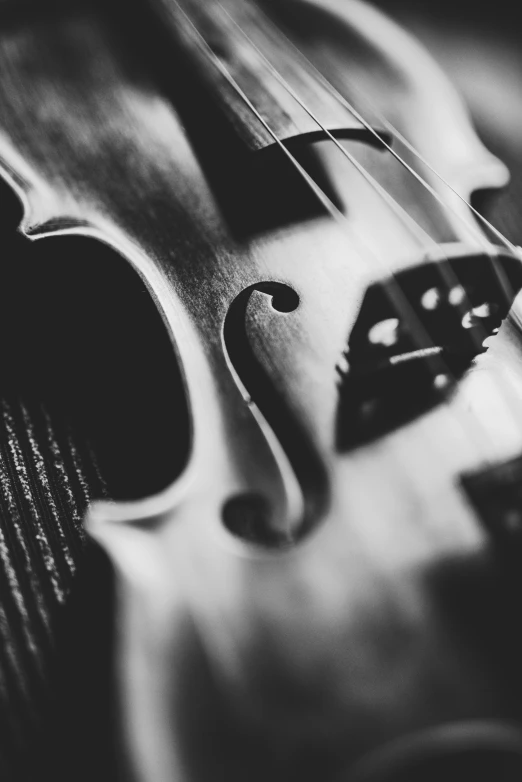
(264, 340)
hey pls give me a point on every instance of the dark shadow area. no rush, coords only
(256, 192)
(479, 598)
(79, 331)
(453, 765)
(224, 737)
(504, 18)
(262, 191)
(81, 731)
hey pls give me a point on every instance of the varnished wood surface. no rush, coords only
(304, 659)
(45, 488)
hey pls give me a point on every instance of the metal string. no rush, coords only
(393, 288)
(449, 277)
(474, 233)
(394, 132)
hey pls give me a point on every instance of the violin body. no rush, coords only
(319, 580)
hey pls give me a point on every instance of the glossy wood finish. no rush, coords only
(275, 653)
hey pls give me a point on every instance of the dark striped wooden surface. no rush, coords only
(48, 474)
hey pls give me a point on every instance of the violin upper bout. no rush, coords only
(396, 78)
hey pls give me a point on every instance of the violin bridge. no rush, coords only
(415, 337)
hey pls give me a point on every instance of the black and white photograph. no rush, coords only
(260, 391)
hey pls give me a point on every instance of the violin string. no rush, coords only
(420, 234)
(395, 133)
(450, 278)
(393, 288)
(480, 217)
(474, 232)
